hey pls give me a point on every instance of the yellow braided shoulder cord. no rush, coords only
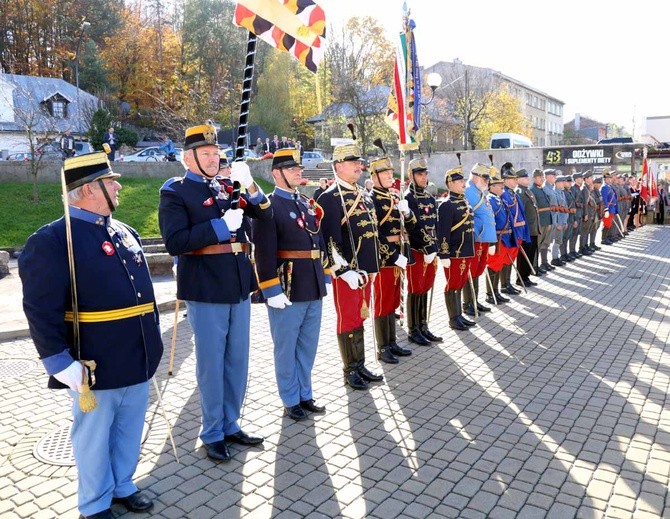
(86, 398)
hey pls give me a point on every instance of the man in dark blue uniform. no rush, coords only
(393, 216)
(349, 229)
(118, 328)
(518, 226)
(422, 239)
(456, 245)
(214, 277)
(497, 260)
(293, 281)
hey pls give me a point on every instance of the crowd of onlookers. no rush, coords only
(262, 148)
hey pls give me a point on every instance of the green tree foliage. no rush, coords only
(503, 114)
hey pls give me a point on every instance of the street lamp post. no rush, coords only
(84, 25)
(433, 80)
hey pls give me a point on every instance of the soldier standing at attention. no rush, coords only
(393, 259)
(533, 222)
(600, 211)
(423, 243)
(577, 191)
(349, 229)
(520, 233)
(589, 218)
(214, 277)
(456, 245)
(291, 276)
(485, 234)
(118, 329)
(544, 211)
(504, 234)
(565, 189)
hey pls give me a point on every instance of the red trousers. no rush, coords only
(387, 291)
(351, 306)
(420, 275)
(503, 256)
(457, 273)
(478, 263)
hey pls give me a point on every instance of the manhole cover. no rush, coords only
(15, 368)
(55, 447)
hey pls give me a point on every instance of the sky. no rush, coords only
(603, 62)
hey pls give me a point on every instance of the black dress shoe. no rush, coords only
(556, 262)
(105, 514)
(466, 321)
(482, 308)
(456, 324)
(417, 337)
(501, 298)
(595, 247)
(469, 309)
(218, 451)
(354, 381)
(137, 502)
(509, 289)
(398, 350)
(526, 282)
(386, 356)
(366, 374)
(243, 438)
(428, 334)
(310, 405)
(296, 412)
(497, 300)
(587, 252)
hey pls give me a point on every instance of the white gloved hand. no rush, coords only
(445, 262)
(429, 258)
(240, 172)
(401, 261)
(338, 261)
(403, 207)
(492, 250)
(329, 289)
(353, 279)
(71, 376)
(280, 301)
(233, 219)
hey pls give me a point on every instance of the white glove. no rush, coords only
(607, 213)
(71, 376)
(401, 261)
(445, 262)
(492, 250)
(233, 219)
(353, 279)
(329, 289)
(429, 258)
(338, 261)
(280, 301)
(403, 207)
(241, 173)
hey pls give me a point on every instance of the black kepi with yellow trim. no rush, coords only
(507, 170)
(418, 165)
(381, 164)
(196, 136)
(286, 158)
(346, 152)
(87, 168)
(453, 174)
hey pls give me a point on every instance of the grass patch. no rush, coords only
(20, 216)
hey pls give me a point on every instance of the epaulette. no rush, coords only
(169, 182)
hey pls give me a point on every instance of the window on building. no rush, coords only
(58, 109)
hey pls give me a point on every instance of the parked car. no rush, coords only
(230, 153)
(310, 159)
(49, 151)
(20, 156)
(82, 147)
(151, 154)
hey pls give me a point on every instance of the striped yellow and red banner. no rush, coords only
(295, 26)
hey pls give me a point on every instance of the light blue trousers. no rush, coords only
(295, 334)
(106, 444)
(222, 364)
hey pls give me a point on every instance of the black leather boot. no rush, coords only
(395, 348)
(382, 337)
(359, 349)
(423, 320)
(351, 377)
(414, 334)
(453, 311)
(464, 320)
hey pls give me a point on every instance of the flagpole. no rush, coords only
(246, 96)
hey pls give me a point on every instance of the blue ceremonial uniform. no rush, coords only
(289, 259)
(118, 329)
(610, 202)
(516, 215)
(485, 229)
(215, 278)
(502, 220)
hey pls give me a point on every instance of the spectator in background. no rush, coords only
(284, 143)
(369, 185)
(275, 144)
(258, 149)
(298, 146)
(67, 144)
(323, 185)
(110, 138)
(167, 147)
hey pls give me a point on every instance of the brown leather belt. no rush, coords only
(519, 224)
(508, 231)
(299, 254)
(544, 209)
(393, 239)
(222, 248)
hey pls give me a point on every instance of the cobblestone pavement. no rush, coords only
(555, 406)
